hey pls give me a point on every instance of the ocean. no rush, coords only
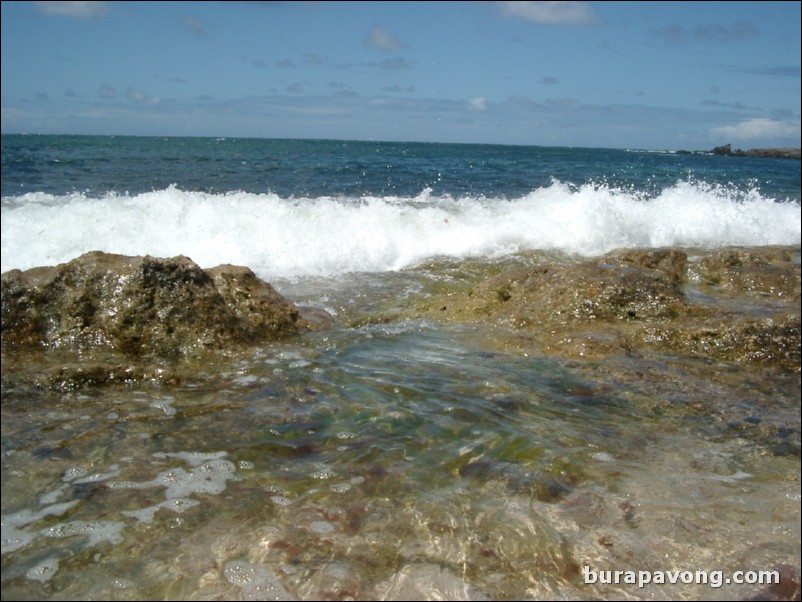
(395, 456)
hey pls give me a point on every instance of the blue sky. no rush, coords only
(653, 75)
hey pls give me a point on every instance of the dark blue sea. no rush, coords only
(393, 457)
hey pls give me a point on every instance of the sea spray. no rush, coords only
(290, 238)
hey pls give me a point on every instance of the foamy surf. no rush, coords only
(292, 238)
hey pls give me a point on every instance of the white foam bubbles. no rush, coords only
(95, 531)
(255, 582)
(15, 537)
(43, 571)
(209, 475)
(291, 238)
(209, 478)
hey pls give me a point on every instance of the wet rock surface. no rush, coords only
(739, 305)
(131, 318)
(141, 306)
(123, 317)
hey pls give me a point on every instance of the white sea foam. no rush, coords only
(292, 238)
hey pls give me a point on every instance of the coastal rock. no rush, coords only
(774, 153)
(737, 305)
(765, 273)
(141, 307)
(633, 286)
(774, 340)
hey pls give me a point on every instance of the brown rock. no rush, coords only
(634, 286)
(745, 305)
(771, 272)
(141, 306)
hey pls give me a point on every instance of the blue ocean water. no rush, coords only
(298, 208)
(99, 165)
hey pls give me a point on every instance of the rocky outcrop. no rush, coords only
(768, 273)
(141, 307)
(776, 153)
(735, 305)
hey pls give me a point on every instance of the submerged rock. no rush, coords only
(141, 307)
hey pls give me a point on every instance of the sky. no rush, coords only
(646, 75)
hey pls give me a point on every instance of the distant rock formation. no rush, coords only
(142, 307)
(782, 153)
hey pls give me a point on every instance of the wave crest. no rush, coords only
(280, 237)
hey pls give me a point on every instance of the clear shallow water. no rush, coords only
(384, 461)
(392, 460)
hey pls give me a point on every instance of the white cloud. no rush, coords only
(677, 34)
(477, 104)
(381, 39)
(550, 13)
(757, 128)
(137, 95)
(76, 10)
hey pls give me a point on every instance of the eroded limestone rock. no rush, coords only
(744, 306)
(141, 307)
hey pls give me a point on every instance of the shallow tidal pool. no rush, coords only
(401, 461)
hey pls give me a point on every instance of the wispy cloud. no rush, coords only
(106, 92)
(337, 85)
(677, 34)
(194, 25)
(741, 30)
(74, 10)
(550, 13)
(751, 129)
(567, 104)
(395, 64)
(672, 34)
(783, 114)
(728, 105)
(395, 88)
(774, 71)
(312, 59)
(549, 80)
(380, 38)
